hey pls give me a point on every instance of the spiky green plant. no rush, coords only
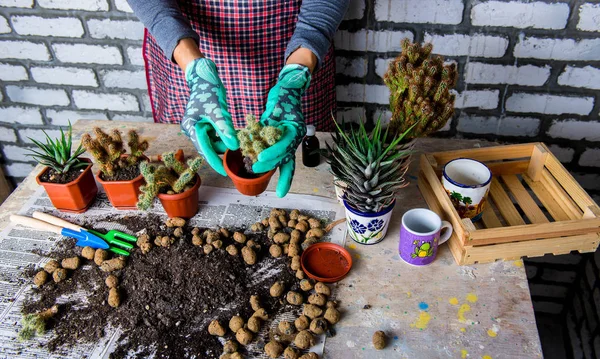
(420, 87)
(35, 324)
(254, 139)
(172, 176)
(371, 167)
(56, 154)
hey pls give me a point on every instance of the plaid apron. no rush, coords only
(247, 40)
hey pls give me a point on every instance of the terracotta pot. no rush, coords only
(122, 194)
(74, 197)
(184, 205)
(234, 165)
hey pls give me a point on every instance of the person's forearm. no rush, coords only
(304, 57)
(185, 52)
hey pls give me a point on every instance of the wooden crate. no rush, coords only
(534, 206)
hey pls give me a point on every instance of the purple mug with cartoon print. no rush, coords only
(420, 236)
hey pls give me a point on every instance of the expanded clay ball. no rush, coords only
(239, 237)
(143, 242)
(316, 232)
(295, 265)
(212, 236)
(294, 298)
(51, 266)
(310, 355)
(252, 244)
(257, 227)
(282, 219)
(166, 241)
(236, 322)
(306, 285)
(295, 236)
(175, 222)
(215, 328)
(291, 353)
(231, 249)
(249, 255)
(113, 264)
(312, 311)
(236, 355)
(281, 238)
(254, 324)
(379, 340)
(111, 281)
(286, 327)
(292, 223)
(293, 250)
(271, 233)
(274, 223)
(314, 223)
(304, 340)
(278, 212)
(273, 349)
(303, 217)
(265, 222)
(322, 288)
(308, 242)
(197, 240)
(88, 252)
(114, 299)
(302, 226)
(230, 347)
(294, 214)
(332, 304)
(70, 263)
(40, 278)
(302, 322)
(276, 289)
(275, 250)
(59, 275)
(208, 248)
(300, 274)
(217, 244)
(332, 315)
(255, 302)
(318, 326)
(317, 299)
(178, 232)
(261, 313)
(100, 256)
(224, 232)
(195, 231)
(285, 248)
(243, 336)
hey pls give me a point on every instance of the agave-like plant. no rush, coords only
(371, 166)
(56, 154)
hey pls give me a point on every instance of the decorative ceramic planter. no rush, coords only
(368, 228)
(184, 205)
(122, 195)
(340, 189)
(234, 166)
(74, 197)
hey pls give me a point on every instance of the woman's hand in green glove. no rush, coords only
(284, 110)
(206, 121)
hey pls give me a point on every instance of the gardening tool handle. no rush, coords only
(35, 223)
(56, 221)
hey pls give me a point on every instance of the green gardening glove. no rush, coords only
(206, 121)
(284, 110)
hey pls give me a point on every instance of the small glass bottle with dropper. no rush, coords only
(311, 157)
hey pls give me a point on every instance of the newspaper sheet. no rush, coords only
(218, 207)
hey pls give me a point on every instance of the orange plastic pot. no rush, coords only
(74, 197)
(122, 194)
(184, 205)
(233, 162)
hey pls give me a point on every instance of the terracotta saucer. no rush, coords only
(326, 262)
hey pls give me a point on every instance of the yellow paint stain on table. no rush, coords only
(472, 297)
(408, 294)
(486, 357)
(315, 190)
(463, 354)
(518, 263)
(453, 301)
(492, 333)
(461, 312)
(422, 321)
(352, 246)
(463, 330)
(356, 255)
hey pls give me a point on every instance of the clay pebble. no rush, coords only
(310, 355)
(275, 251)
(318, 326)
(302, 322)
(294, 298)
(306, 285)
(40, 278)
(113, 264)
(111, 281)
(254, 324)
(230, 346)
(88, 252)
(231, 249)
(215, 328)
(379, 340)
(175, 222)
(304, 340)
(255, 302)
(312, 311)
(291, 353)
(236, 322)
(332, 315)
(100, 256)
(59, 275)
(70, 263)
(317, 299)
(273, 349)
(114, 299)
(243, 336)
(322, 288)
(276, 289)
(286, 327)
(249, 255)
(239, 237)
(51, 266)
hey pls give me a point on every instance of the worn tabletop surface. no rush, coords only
(438, 311)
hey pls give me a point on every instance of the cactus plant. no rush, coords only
(420, 87)
(108, 150)
(171, 177)
(254, 139)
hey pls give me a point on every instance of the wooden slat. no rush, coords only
(487, 153)
(536, 165)
(547, 199)
(567, 181)
(527, 204)
(505, 205)
(500, 168)
(510, 251)
(591, 212)
(489, 218)
(561, 197)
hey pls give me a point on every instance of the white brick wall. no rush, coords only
(37, 25)
(17, 153)
(116, 29)
(102, 101)
(503, 126)
(62, 118)
(64, 76)
(356, 67)
(88, 54)
(482, 99)
(146, 102)
(381, 66)
(89, 5)
(564, 154)
(363, 93)
(538, 15)
(18, 169)
(17, 3)
(356, 10)
(575, 130)
(122, 5)
(549, 104)
(13, 73)
(591, 157)
(24, 50)
(37, 96)
(21, 115)
(377, 41)
(527, 75)
(4, 27)
(468, 45)
(587, 77)
(420, 11)
(124, 79)
(558, 49)
(351, 114)
(133, 118)
(38, 135)
(7, 135)
(134, 54)
(589, 17)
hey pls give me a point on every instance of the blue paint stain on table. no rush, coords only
(423, 306)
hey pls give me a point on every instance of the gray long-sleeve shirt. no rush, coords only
(317, 22)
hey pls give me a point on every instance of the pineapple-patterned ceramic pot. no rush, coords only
(368, 228)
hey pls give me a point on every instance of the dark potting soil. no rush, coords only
(123, 174)
(168, 296)
(51, 176)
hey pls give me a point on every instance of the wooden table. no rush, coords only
(438, 311)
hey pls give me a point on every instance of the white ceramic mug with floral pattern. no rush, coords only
(467, 183)
(368, 228)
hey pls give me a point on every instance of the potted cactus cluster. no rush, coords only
(67, 178)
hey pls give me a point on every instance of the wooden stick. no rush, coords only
(562, 198)
(487, 153)
(527, 204)
(331, 225)
(547, 199)
(501, 168)
(538, 158)
(489, 217)
(505, 205)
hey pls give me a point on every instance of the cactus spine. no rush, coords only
(255, 138)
